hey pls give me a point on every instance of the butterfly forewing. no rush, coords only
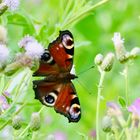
(62, 50)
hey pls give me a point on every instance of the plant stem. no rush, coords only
(124, 125)
(22, 133)
(41, 109)
(100, 85)
(123, 130)
(7, 122)
(126, 84)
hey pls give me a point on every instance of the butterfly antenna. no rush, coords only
(85, 70)
(83, 86)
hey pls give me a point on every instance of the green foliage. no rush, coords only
(122, 101)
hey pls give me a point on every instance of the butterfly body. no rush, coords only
(56, 89)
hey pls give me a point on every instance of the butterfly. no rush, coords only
(56, 89)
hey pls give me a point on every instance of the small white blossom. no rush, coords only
(34, 49)
(12, 4)
(24, 41)
(121, 53)
(4, 53)
(117, 39)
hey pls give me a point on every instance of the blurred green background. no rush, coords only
(92, 35)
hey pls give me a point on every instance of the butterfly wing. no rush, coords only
(62, 50)
(60, 96)
(58, 57)
(47, 65)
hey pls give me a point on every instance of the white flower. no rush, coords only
(12, 4)
(34, 49)
(117, 39)
(4, 53)
(24, 41)
(121, 53)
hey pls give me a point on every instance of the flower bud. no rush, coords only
(35, 121)
(16, 122)
(135, 52)
(106, 124)
(98, 59)
(119, 48)
(108, 62)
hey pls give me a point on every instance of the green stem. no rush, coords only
(124, 125)
(6, 123)
(123, 130)
(100, 85)
(126, 84)
(27, 127)
(41, 109)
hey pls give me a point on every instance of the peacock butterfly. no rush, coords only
(56, 89)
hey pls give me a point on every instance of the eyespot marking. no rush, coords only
(67, 41)
(74, 111)
(50, 99)
(46, 57)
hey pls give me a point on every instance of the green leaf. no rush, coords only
(22, 20)
(122, 101)
(43, 34)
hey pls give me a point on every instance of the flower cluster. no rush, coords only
(32, 48)
(105, 63)
(115, 121)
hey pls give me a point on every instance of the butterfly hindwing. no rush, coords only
(60, 96)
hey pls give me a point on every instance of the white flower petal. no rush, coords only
(34, 49)
(117, 39)
(12, 4)
(25, 40)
